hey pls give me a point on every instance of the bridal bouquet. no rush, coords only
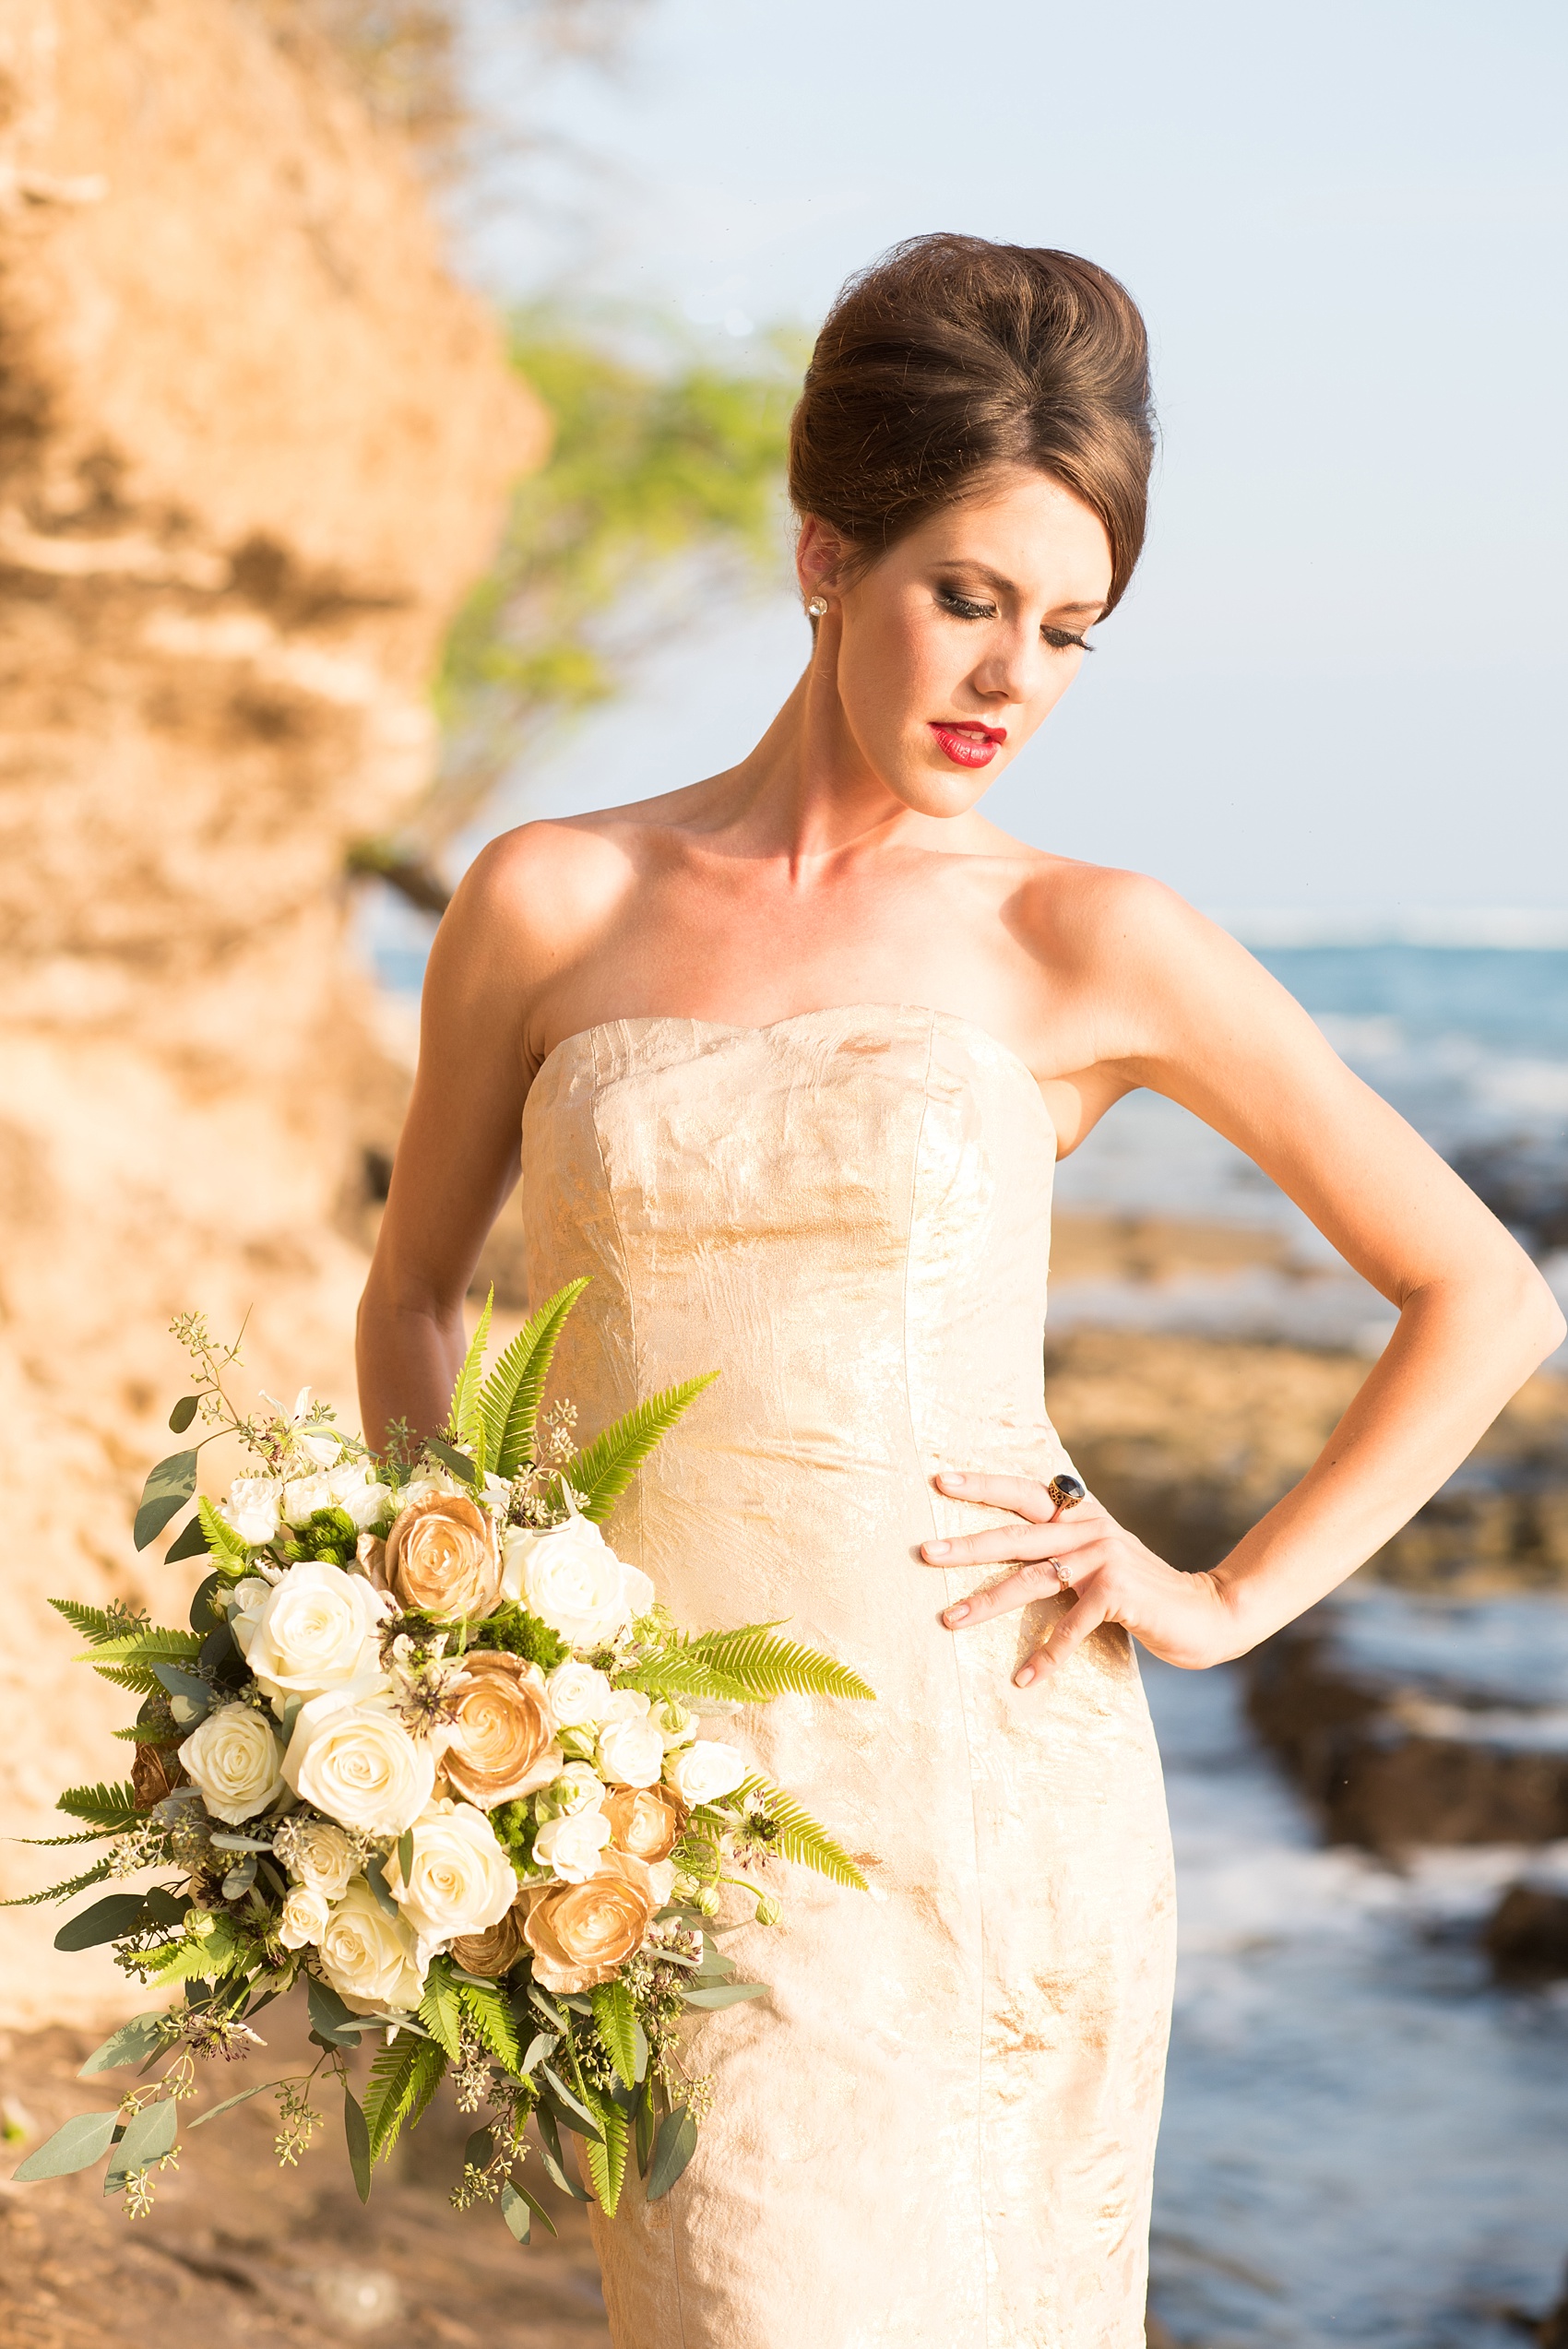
(429, 1752)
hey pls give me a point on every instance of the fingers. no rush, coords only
(1025, 1496)
(1036, 1579)
(1067, 1634)
(1060, 1538)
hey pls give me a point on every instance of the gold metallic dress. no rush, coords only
(937, 2130)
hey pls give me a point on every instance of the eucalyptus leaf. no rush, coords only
(672, 2149)
(232, 1841)
(406, 1855)
(519, 2206)
(85, 2139)
(357, 2132)
(164, 1908)
(570, 2107)
(190, 1700)
(149, 2134)
(724, 1994)
(540, 2045)
(106, 1920)
(168, 1487)
(184, 1411)
(375, 1878)
(477, 2152)
(133, 2041)
(330, 2016)
(192, 1543)
(230, 2102)
(240, 1879)
(551, 2155)
(459, 1462)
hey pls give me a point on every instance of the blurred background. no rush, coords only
(392, 410)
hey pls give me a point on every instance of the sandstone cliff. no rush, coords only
(253, 446)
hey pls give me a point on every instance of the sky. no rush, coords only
(1334, 687)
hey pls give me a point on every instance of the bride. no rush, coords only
(791, 1054)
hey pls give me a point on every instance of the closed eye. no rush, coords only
(964, 607)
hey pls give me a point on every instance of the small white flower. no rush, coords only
(251, 1509)
(579, 1693)
(304, 1917)
(627, 1705)
(631, 1750)
(577, 1788)
(705, 1771)
(349, 1489)
(234, 1761)
(571, 1846)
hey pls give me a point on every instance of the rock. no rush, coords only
(1526, 1937)
(1366, 1701)
(255, 447)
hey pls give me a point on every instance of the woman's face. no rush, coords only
(950, 651)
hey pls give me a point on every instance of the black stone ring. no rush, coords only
(1067, 1492)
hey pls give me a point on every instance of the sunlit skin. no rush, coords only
(845, 861)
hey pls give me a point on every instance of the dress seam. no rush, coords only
(958, 1680)
(626, 1290)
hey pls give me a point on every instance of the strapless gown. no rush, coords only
(937, 2131)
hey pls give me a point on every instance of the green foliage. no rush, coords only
(440, 2008)
(224, 1547)
(330, 1535)
(745, 1665)
(799, 1837)
(168, 1487)
(672, 2149)
(98, 1625)
(510, 1398)
(607, 2157)
(492, 2017)
(466, 1422)
(616, 2018)
(520, 1633)
(114, 1808)
(94, 1874)
(402, 2081)
(600, 1475)
(85, 2139)
(147, 1643)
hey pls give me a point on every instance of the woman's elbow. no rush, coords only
(1531, 1312)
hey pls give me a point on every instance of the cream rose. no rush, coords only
(571, 1578)
(502, 1733)
(581, 1933)
(579, 1693)
(252, 1508)
(571, 1847)
(320, 1854)
(705, 1770)
(304, 1917)
(441, 1558)
(234, 1761)
(351, 1756)
(370, 1958)
(645, 1821)
(459, 1880)
(315, 1629)
(495, 1950)
(351, 1489)
(631, 1743)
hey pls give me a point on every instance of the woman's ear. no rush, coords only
(819, 554)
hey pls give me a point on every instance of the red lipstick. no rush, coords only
(967, 742)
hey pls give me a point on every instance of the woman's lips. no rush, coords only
(968, 745)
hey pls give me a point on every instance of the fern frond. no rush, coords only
(154, 1644)
(491, 2018)
(510, 1398)
(225, 1548)
(800, 1838)
(746, 1665)
(600, 1475)
(140, 1678)
(94, 1874)
(606, 2162)
(441, 2010)
(402, 2081)
(112, 1807)
(57, 1842)
(97, 1625)
(465, 1419)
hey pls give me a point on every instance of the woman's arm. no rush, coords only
(1209, 1027)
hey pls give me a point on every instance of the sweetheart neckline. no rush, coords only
(795, 1019)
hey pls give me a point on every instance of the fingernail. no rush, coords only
(955, 1614)
(937, 1549)
(1021, 1679)
(947, 1479)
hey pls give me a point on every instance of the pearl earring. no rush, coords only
(817, 608)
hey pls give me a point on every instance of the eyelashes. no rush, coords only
(964, 607)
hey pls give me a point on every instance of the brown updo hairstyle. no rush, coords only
(950, 358)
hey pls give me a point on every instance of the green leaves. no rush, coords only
(746, 1665)
(85, 2139)
(616, 2020)
(511, 1396)
(518, 2207)
(606, 2156)
(133, 2043)
(800, 1838)
(223, 1545)
(115, 1808)
(357, 2132)
(107, 1920)
(440, 2008)
(672, 2149)
(713, 1995)
(492, 2017)
(465, 1419)
(403, 2079)
(600, 1475)
(184, 1411)
(168, 1487)
(62, 1891)
(149, 2134)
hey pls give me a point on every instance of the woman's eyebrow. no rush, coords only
(1006, 586)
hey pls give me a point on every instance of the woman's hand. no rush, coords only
(1112, 1578)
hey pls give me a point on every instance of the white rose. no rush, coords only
(631, 1751)
(316, 1630)
(627, 1705)
(370, 1958)
(661, 1880)
(572, 1846)
(459, 1878)
(303, 1918)
(571, 1577)
(636, 1589)
(579, 1693)
(321, 1856)
(248, 1598)
(234, 1759)
(348, 1488)
(577, 1788)
(351, 1756)
(251, 1509)
(705, 1771)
